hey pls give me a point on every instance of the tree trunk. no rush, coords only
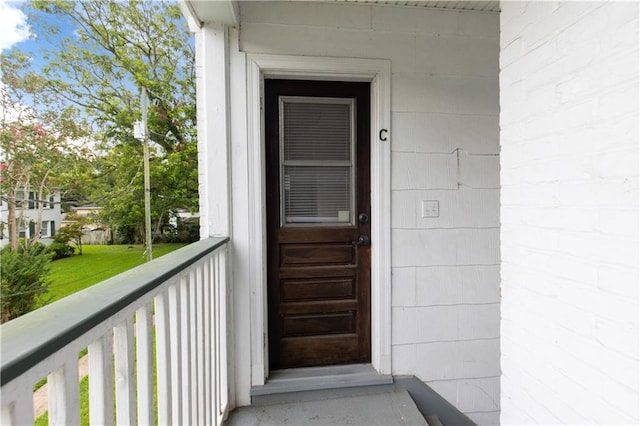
(39, 205)
(12, 223)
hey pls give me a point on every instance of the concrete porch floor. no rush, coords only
(344, 395)
(392, 408)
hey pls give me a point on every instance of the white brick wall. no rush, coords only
(569, 213)
(444, 142)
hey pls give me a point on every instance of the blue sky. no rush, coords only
(13, 22)
(18, 32)
(21, 33)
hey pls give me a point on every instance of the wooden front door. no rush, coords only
(318, 222)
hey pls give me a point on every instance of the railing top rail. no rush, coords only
(29, 339)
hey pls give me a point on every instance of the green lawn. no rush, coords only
(96, 264)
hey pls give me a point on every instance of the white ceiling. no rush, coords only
(477, 5)
(226, 11)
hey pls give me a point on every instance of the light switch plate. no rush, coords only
(430, 208)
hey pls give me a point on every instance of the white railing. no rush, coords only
(157, 336)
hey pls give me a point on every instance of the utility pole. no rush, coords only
(141, 131)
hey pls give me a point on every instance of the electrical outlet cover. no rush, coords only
(430, 208)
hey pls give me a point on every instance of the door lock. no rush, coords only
(363, 218)
(362, 241)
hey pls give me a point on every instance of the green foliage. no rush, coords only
(61, 250)
(63, 236)
(119, 47)
(174, 184)
(73, 231)
(183, 232)
(23, 276)
(33, 249)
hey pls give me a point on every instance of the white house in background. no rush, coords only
(441, 189)
(182, 215)
(27, 214)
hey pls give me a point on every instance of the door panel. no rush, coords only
(299, 289)
(317, 145)
(317, 254)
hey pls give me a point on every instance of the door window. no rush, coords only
(317, 161)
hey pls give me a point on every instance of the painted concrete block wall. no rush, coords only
(569, 213)
(444, 142)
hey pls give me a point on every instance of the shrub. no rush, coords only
(35, 249)
(184, 232)
(73, 232)
(62, 236)
(23, 278)
(60, 250)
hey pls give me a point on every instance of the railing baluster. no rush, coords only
(64, 398)
(7, 414)
(176, 351)
(101, 380)
(228, 330)
(208, 341)
(219, 321)
(144, 363)
(200, 330)
(215, 319)
(193, 336)
(222, 329)
(186, 350)
(123, 358)
(163, 357)
(20, 410)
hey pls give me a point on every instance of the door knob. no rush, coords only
(363, 241)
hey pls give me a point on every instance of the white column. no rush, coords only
(212, 87)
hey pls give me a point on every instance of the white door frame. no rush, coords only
(378, 72)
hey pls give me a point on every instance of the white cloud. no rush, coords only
(14, 26)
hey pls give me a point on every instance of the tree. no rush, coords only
(118, 48)
(39, 138)
(174, 182)
(73, 231)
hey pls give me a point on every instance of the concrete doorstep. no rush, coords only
(393, 408)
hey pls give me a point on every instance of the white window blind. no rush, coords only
(316, 155)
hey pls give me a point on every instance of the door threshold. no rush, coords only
(319, 378)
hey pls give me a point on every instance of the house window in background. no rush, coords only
(48, 229)
(50, 203)
(32, 200)
(29, 203)
(22, 230)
